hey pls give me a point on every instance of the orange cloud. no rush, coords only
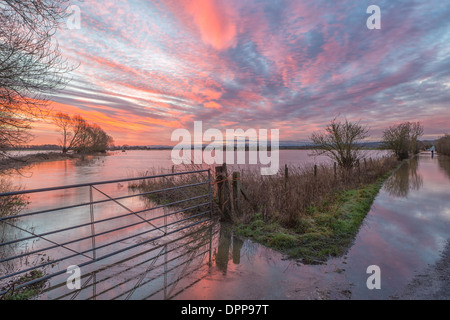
(215, 20)
(211, 105)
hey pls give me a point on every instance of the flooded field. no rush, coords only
(404, 233)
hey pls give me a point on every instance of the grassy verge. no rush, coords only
(326, 231)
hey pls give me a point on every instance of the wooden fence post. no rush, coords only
(219, 183)
(227, 194)
(315, 170)
(223, 192)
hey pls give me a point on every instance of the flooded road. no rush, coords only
(404, 234)
(406, 230)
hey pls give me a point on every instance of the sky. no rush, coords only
(146, 68)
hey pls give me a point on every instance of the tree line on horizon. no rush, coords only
(80, 136)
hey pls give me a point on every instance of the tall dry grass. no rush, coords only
(289, 200)
(164, 190)
(275, 197)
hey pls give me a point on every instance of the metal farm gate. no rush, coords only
(126, 226)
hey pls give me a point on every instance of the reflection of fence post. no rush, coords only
(237, 192)
(223, 248)
(237, 246)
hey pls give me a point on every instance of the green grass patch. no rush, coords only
(327, 230)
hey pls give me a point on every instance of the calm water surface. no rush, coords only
(404, 232)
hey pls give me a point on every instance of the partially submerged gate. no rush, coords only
(119, 224)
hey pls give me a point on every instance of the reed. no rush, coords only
(289, 199)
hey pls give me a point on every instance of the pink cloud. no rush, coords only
(215, 19)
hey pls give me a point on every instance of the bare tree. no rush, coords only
(73, 130)
(80, 136)
(416, 131)
(99, 140)
(31, 64)
(63, 122)
(341, 142)
(403, 139)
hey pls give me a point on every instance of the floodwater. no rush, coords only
(404, 232)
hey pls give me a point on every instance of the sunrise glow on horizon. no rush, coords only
(147, 68)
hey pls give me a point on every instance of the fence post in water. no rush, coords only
(226, 194)
(315, 170)
(223, 191)
(237, 192)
